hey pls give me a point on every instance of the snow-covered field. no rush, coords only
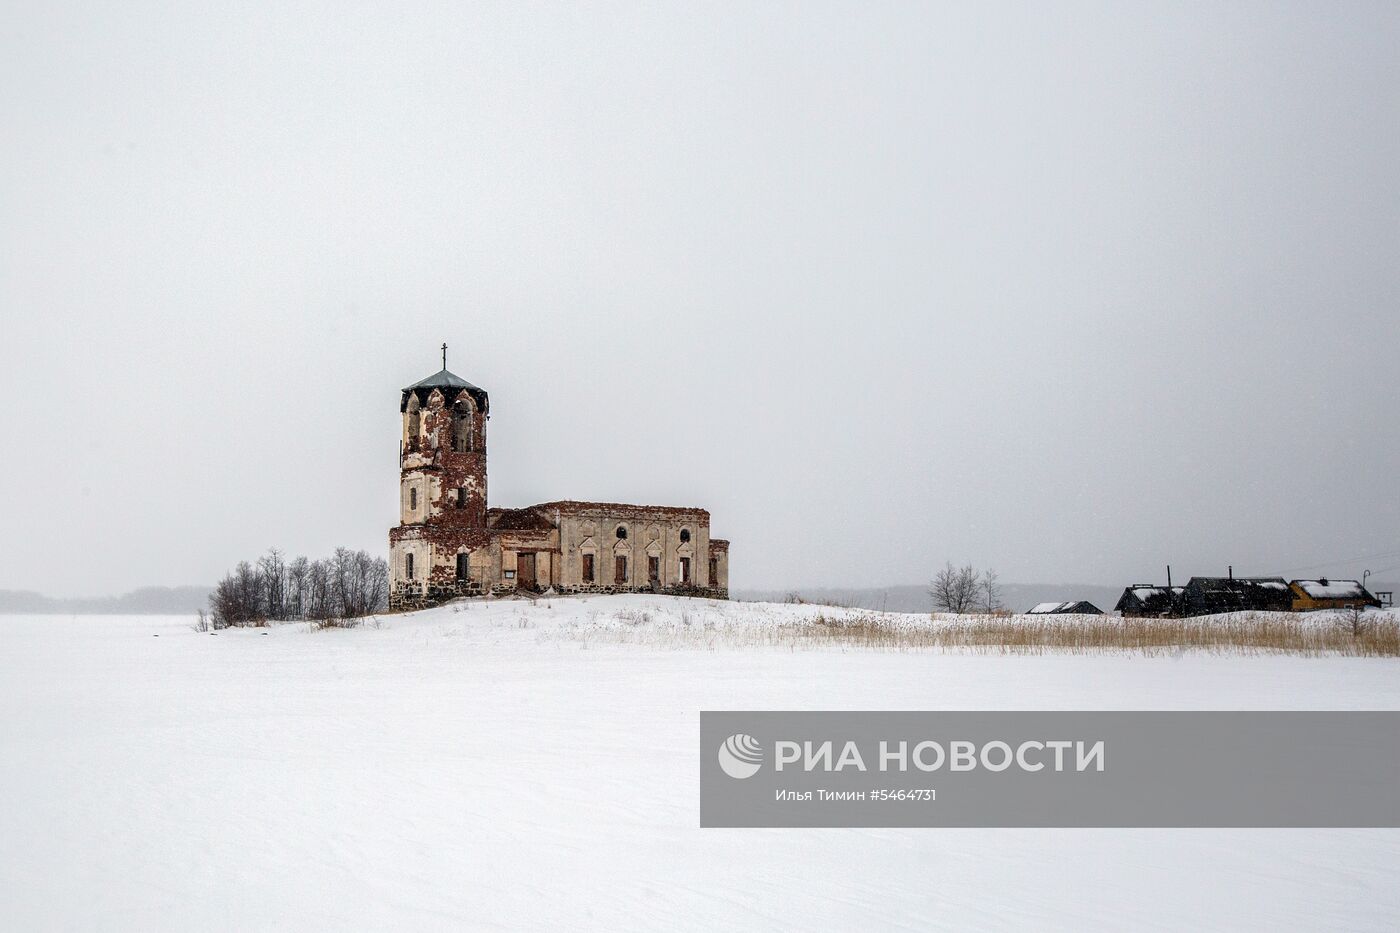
(511, 766)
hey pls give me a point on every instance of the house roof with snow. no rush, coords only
(1330, 589)
(1325, 589)
(1147, 599)
(1208, 595)
(1073, 607)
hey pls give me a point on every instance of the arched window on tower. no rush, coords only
(462, 427)
(413, 421)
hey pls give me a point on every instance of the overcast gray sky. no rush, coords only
(1072, 290)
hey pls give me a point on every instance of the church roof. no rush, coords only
(575, 507)
(527, 519)
(450, 383)
(442, 380)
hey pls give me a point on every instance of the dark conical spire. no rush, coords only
(449, 383)
(442, 380)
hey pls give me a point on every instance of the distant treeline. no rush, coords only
(346, 586)
(149, 600)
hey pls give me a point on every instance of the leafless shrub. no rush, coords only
(1353, 619)
(237, 598)
(201, 621)
(329, 593)
(335, 622)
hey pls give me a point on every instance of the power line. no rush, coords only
(1349, 560)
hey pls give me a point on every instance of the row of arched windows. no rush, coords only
(463, 435)
(622, 534)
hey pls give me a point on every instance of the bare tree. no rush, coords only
(942, 587)
(272, 572)
(247, 590)
(348, 577)
(956, 589)
(319, 601)
(376, 584)
(989, 593)
(297, 572)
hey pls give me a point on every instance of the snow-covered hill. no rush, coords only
(505, 765)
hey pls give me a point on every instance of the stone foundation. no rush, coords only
(408, 598)
(587, 589)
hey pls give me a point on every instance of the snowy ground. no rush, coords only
(501, 768)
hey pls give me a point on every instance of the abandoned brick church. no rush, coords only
(449, 543)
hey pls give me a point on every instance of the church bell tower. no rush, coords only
(442, 482)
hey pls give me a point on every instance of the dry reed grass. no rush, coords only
(1233, 634)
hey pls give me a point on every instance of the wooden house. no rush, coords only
(1323, 593)
(1144, 600)
(1210, 595)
